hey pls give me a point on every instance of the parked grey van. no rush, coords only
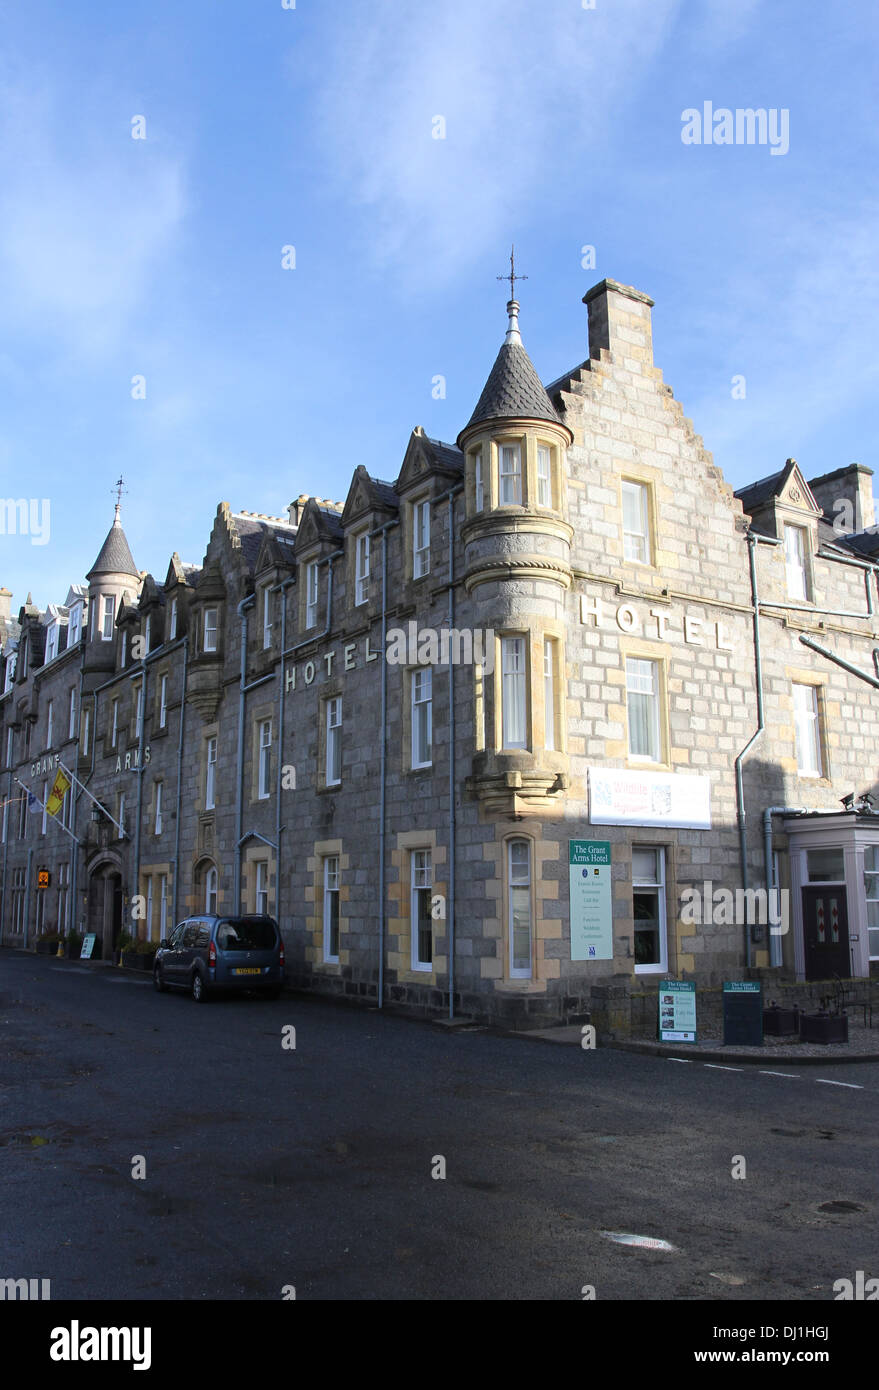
(209, 953)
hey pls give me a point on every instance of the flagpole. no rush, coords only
(43, 804)
(100, 805)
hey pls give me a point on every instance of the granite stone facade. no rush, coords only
(285, 728)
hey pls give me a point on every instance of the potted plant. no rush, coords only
(144, 955)
(73, 945)
(124, 944)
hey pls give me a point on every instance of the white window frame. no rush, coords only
(331, 896)
(86, 731)
(510, 475)
(51, 641)
(147, 633)
(796, 571)
(211, 889)
(172, 624)
(261, 888)
(420, 883)
(138, 718)
(478, 482)
(544, 475)
(264, 730)
(514, 691)
(210, 630)
(71, 714)
(637, 548)
(312, 593)
(108, 617)
(114, 727)
(333, 740)
(210, 779)
(422, 716)
(163, 906)
(421, 538)
(871, 896)
(120, 815)
(517, 878)
(158, 819)
(266, 617)
(549, 693)
(10, 745)
(654, 728)
(149, 907)
(74, 626)
(123, 656)
(657, 885)
(163, 700)
(807, 722)
(11, 664)
(45, 812)
(361, 568)
(50, 723)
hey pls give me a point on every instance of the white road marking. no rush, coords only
(850, 1085)
(685, 1060)
(643, 1242)
(791, 1076)
(715, 1066)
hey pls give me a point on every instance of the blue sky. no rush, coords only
(312, 127)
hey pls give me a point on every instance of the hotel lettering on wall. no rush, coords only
(655, 623)
(130, 761)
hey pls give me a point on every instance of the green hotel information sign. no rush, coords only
(677, 1011)
(591, 903)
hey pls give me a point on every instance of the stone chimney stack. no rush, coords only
(5, 605)
(846, 496)
(619, 323)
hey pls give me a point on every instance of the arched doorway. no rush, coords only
(104, 908)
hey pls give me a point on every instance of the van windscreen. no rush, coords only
(245, 934)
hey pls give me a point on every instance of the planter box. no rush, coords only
(824, 1028)
(47, 948)
(135, 960)
(781, 1022)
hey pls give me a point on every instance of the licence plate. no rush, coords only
(247, 970)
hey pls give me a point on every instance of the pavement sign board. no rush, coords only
(677, 1011)
(742, 1013)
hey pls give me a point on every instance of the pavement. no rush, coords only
(710, 1050)
(153, 1148)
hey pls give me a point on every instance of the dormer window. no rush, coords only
(795, 562)
(361, 568)
(421, 539)
(209, 643)
(266, 618)
(311, 595)
(52, 641)
(510, 475)
(147, 633)
(11, 663)
(74, 630)
(109, 614)
(172, 623)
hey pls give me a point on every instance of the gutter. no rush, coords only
(239, 788)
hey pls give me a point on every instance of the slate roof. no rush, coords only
(513, 390)
(864, 542)
(384, 493)
(115, 556)
(761, 491)
(447, 455)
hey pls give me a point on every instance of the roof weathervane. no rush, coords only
(118, 489)
(512, 277)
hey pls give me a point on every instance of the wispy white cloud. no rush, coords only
(523, 89)
(85, 213)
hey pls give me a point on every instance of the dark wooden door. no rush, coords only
(825, 933)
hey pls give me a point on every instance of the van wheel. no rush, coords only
(159, 980)
(199, 993)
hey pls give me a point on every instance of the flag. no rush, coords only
(34, 804)
(60, 788)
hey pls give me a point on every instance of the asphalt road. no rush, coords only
(269, 1167)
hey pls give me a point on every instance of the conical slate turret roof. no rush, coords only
(115, 556)
(513, 389)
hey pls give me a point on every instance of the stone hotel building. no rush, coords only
(482, 736)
